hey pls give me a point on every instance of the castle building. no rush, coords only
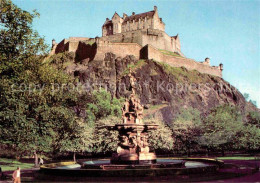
(142, 21)
(141, 35)
(144, 28)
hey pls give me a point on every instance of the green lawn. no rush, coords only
(12, 164)
(238, 158)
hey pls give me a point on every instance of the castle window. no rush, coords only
(110, 28)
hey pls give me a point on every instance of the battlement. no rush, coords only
(151, 52)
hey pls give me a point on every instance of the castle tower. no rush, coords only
(221, 67)
(117, 23)
(53, 43)
(207, 61)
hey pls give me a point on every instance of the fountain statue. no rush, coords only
(133, 146)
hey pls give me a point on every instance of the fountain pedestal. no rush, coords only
(133, 146)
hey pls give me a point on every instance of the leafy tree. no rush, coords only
(33, 120)
(34, 116)
(101, 105)
(253, 118)
(19, 44)
(160, 139)
(253, 102)
(78, 139)
(247, 98)
(249, 138)
(186, 128)
(104, 110)
(222, 128)
(246, 95)
(106, 140)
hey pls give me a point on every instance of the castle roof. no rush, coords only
(176, 37)
(108, 22)
(138, 16)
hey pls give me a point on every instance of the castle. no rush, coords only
(142, 35)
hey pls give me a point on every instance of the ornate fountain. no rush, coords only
(133, 146)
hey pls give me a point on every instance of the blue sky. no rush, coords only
(226, 31)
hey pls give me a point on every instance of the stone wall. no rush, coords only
(145, 23)
(119, 49)
(190, 64)
(62, 46)
(156, 38)
(161, 40)
(127, 37)
(89, 50)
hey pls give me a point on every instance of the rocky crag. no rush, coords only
(163, 90)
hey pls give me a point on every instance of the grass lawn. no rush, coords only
(239, 158)
(12, 164)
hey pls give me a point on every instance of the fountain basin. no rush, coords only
(106, 165)
(103, 168)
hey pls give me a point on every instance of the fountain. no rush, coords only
(133, 146)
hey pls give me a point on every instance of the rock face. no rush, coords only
(163, 90)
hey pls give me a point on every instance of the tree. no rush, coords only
(249, 138)
(101, 104)
(253, 102)
(106, 140)
(32, 121)
(103, 110)
(160, 139)
(19, 43)
(33, 116)
(186, 128)
(253, 118)
(246, 95)
(221, 128)
(78, 139)
(247, 98)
